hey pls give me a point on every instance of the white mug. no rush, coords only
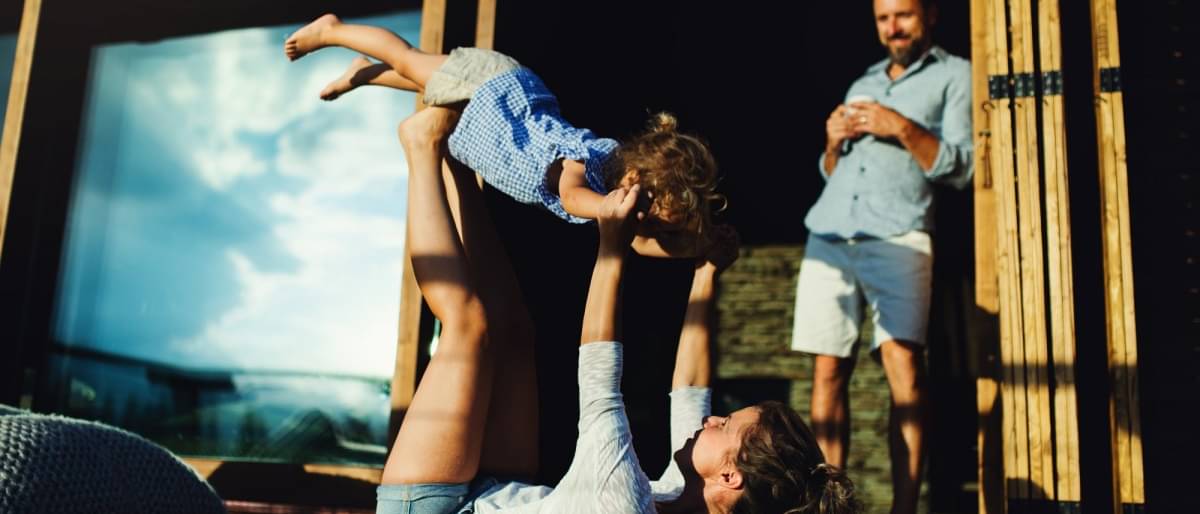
(860, 99)
(857, 99)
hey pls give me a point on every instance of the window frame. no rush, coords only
(265, 485)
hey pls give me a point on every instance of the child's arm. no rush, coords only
(692, 363)
(577, 198)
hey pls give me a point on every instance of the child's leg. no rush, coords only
(376, 42)
(440, 438)
(510, 440)
(363, 72)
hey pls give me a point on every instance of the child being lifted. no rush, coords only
(512, 134)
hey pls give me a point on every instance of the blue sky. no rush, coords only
(224, 216)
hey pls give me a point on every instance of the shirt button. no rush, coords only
(862, 169)
(856, 197)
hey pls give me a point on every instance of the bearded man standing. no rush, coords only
(905, 124)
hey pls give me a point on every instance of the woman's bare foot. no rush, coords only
(308, 38)
(346, 82)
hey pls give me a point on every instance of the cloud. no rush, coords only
(290, 209)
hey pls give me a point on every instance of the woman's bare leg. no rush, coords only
(362, 72)
(442, 433)
(379, 43)
(510, 441)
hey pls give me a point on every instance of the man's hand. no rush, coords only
(722, 250)
(880, 121)
(877, 120)
(838, 128)
(615, 218)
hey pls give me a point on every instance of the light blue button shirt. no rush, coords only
(877, 189)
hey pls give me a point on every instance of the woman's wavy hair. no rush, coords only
(784, 471)
(677, 169)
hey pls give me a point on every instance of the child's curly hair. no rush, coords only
(677, 169)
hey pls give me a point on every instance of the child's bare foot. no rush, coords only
(346, 82)
(308, 38)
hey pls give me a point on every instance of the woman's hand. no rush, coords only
(616, 218)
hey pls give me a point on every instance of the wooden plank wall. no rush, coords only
(1024, 162)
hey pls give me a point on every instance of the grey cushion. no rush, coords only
(57, 464)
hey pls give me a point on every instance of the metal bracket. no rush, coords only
(999, 87)
(1110, 80)
(1052, 83)
(1133, 508)
(1026, 86)
(1068, 507)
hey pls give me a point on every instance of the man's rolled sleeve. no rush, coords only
(821, 167)
(955, 161)
(953, 165)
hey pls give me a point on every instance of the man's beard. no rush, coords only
(905, 56)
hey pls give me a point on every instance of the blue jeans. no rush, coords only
(430, 498)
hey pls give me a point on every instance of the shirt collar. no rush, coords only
(934, 52)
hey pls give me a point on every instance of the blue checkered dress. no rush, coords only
(511, 131)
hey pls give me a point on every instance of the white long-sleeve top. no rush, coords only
(605, 476)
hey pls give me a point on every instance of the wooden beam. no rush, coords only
(14, 115)
(404, 378)
(1128, 474)
(1000, 155)
(1029, 200)
(987, 296)
(1059, 261)
(1028, 470)
(485, 37)
(989, 438)
(485, 24)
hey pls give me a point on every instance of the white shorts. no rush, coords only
(463, 72)
(893, 274)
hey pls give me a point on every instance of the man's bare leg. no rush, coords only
(441, 437)
(363, 72)
(905, 367)
(379, 43)
(830, 407)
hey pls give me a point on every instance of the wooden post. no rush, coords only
(404, 379)
(1128, 486)
(1000, 159)
(1058, 258)
(987, 294)
(1027, 164)
(1029, 201)
(485, 24)
(14, 116)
